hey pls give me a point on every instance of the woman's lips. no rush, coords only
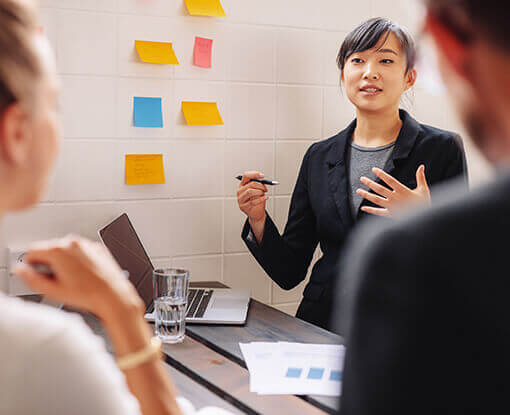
(370, 91)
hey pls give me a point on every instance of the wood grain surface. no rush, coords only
(264, 323)
(230, 381)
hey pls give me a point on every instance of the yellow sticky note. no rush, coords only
(144, 169)
(201, 113)
(205, 8)
(156, 52)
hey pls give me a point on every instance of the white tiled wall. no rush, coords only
(275, 79)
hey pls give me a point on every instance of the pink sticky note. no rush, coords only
(203, 51)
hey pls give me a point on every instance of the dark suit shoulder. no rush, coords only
(438, 135)
(323, 146)
(456, 213)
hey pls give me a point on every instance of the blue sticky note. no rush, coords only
(147, 112)
(315, 373)
(293, 372)
(335, 375)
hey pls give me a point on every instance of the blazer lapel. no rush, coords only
(338, 183)
(405, 141)
(403, 146)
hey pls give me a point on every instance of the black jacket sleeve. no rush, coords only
(286, 258)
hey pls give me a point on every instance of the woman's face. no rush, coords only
(375, 79)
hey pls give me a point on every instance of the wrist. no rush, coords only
(123, 319)
(258, 228)
(257, 223)
(128, 331)
(120, 301)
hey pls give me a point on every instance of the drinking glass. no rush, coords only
(170, 303)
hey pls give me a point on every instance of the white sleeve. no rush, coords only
(187, 409)
(72, 373)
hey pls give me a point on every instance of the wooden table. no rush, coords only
(208, 366)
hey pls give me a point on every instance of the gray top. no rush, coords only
(360, 161)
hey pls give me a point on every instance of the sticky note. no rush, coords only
(144, 169)
(202, 52)
(205, 8)
(147, 112)
(156, 52)
(201, 113)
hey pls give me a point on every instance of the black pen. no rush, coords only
(263, 181)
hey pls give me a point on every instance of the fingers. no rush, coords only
(249, 194)
(376, 211)
(258, 201)
(253, 202)
(390, 180)
(37, 282)
(254, 185)
(376, 187)
(52, 251)
(251, 185)
(421, 180)
(248, 175)
(378, 200)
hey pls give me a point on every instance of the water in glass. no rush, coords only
(170, 318)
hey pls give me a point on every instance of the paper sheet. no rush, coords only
(144, 169)
(147, 112)
(201, 113)
(156, 52)
(205, 8)
(202, 53)
(294, 368)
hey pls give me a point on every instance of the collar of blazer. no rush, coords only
(403, 145)
(337, 180)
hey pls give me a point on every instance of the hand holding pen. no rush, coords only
(251, 196)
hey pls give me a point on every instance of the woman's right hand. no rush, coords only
(251, 197)
(85, 276)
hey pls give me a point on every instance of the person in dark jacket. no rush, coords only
(373, 167)
(430, 332)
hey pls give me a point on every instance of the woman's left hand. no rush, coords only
(394, 199)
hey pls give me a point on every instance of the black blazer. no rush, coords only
(320, 211)
(431, 326)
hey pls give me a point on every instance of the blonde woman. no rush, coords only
(50, 361)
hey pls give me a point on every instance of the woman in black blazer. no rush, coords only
(384, 149)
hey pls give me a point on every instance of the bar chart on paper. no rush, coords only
(294, 368)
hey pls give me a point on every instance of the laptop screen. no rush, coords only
(122, 241)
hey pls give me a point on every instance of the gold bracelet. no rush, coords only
(135, 359)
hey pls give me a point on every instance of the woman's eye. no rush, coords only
(387, 61)
(356, 60)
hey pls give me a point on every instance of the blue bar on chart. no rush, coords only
(293, 372)
(335, 375)
(315, 373)
(147, 112)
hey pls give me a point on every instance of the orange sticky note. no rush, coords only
(202, 53)
(205, 8)
(144, 169)
(156, 52)
(201, 113)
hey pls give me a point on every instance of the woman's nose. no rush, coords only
(370, 74)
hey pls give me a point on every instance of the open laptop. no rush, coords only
(205, 305)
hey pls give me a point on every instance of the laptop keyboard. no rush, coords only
(198, 300)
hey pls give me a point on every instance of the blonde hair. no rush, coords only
(20, 65)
